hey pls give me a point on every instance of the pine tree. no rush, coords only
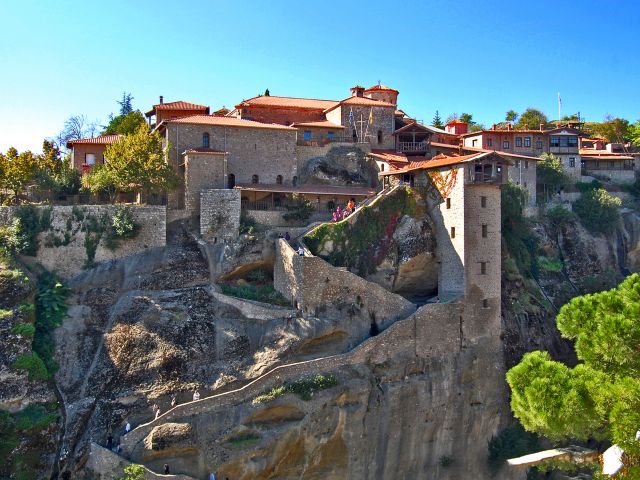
(437, 121)
(125, 104)
(266, 93)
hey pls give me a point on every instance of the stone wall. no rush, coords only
(524, 172)
(273, 218)
(219, 214)
(202, 171)
(66, 229)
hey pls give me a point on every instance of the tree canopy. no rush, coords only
(17, 172)
(598, 210)
(125, 124)
(613, 130)
(551, 174)
(135, 163)
(634, 133)
(467, 118)
(511, 116)
(437, 121)
(600, 397)
(532, 118)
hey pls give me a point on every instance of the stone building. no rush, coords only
(87, 152)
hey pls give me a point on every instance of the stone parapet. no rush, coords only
(219, 214)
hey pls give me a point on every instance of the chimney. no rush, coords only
(357, 91)
(509, 126)
(161, 99)
(542, 127)
(493, 127)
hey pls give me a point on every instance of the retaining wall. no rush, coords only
(219, 214)
(67, 230)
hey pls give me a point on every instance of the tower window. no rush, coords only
(484, 230)
(483, 268)
(483, 202)
(448, 203)
(379, 136)
(485, 303)
(279, 179)
(255, 178)
(453, 232)
(205, 140)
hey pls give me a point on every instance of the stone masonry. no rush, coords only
(219, 214)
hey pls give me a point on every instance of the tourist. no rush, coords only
(437, 299)
(166, 469)
(174, 401)
(287, 237)
(158, 412)
(339, 212)
(110, 442)
(335, 216)
(351, 205)
(301, 251)
(155, 408)
(212, 476)
(127, 428)
(196, 396)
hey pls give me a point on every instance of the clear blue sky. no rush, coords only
(76, 57)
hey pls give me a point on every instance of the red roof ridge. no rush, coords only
(228, 122)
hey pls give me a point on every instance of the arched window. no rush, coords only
(294, 181)
(279, 179)
(379, 136)
(205, 140)
(382, 167)
(231, 180)
(254, 178)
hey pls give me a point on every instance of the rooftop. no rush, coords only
(228, 122)
(437, 161)
(389, 155)
(361, 101)
(287, 102)
(101, 140)
(380, 88)
(179, 105)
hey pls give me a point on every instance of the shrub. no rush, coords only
(551, 174)
(550, 264)
(598, 210)
(586, 187)
(559, 216)
(24, 329)
(122, 222)
(34, 365)
(258, 275)
(304, 388)
(510, 442)
(445, 461)
(133, 472)
(300, 210)
(248, 225)
(30, 224)
(244, 439)
(259, 293)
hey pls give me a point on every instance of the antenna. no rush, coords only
(559, 106)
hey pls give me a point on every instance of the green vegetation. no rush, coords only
(559, 217)
(299, 209)
(24, 329)
(304, 388)
(600, 397)
(517, 234)
(598, 211)
(549, 264)
(363, 245)
(510, 442)
(244, 439)
(532, 118)
(247, 225)
(550, 173)
(34, 365)
(259, 293)
(15, 426)
(133, 472)
(29, 222)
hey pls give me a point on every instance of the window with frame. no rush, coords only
(306, 135)
(505, 144)
(526, 164)
(483, 202)
(448, 202)
(572, 162)
(518, 141)
(453, 232)
(517, 163)
(485, 303)
(483, 268)
(489, 142)
(90, 159)
(330, 135)
(279, 180)
(527, 141)
(379, 136)
(539, 144)
(484, 230)
(474, 142)
(205, 140)
(255, 178)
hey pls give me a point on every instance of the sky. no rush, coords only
(63, 58)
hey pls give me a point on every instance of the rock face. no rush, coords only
(340, 166)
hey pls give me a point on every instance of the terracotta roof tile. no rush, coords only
(361, 101)
(389, 155)
(101, 140)
(283, 102)
(592, 154)
(475, 149)
(206, 151)
(379, 88)
(228, 122)
(436, 162)
(180, 105)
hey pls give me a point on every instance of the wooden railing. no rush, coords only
(412, 146)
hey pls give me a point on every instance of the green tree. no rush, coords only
(600, 397)
(598, 210)
(634, 133)
(267, 93)
(125, 124)
(136, 163)
(532, 118)
(613, 130)
(550, 174)
(54, 173)
(17, 172)
(511, 116)
(437, 121)
(125, 104)
(467, 118)
(133, 472)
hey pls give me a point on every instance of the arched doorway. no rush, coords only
(231, 180)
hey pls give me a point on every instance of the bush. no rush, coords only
(299, 211)
(598, 211)
(304, 388)
(34, 365)
(24, 329)
(122, 222)
(258, 293)
(510, 442)
(584, 187)
(559, 216)
(248, 225)
(550, 264)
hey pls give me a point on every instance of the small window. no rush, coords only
(255, 179)
(527, 141)
(231, 180)
(448, 203)
(474, 142)
(306, 135)
(517, 163)
(489, 142)
(484, 230)
(483, 202)
(483, 268)
(526, 164)
(518, 141)
(572, 162)
(382, 167)
(294, 180)
(90, 159)
(205, 140)
(612, 164)
(485, 303)
(379, 136)
(453, 232)
(279, 179)
(330, 135)
(539, 144)
(505, 144)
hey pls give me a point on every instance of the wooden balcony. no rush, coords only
(413, 146)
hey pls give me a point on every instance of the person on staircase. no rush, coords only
(196, 396)
(166, 469)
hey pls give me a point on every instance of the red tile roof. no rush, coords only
(389, 155)
(180, 105)
(436, 162)
(379, 88)
(475, 149)
(309, 189)
(603, 154)
(101, 140)
(505, 131)
(228, 122)
(286, 102)
(361, 101)
(321, 124)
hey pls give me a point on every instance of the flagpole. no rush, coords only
(559, 105)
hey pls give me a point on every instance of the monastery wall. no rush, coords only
(67, 230)
(201, 172)
(219, 214)
(282, 116)
(524, 172)
(383, 120)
